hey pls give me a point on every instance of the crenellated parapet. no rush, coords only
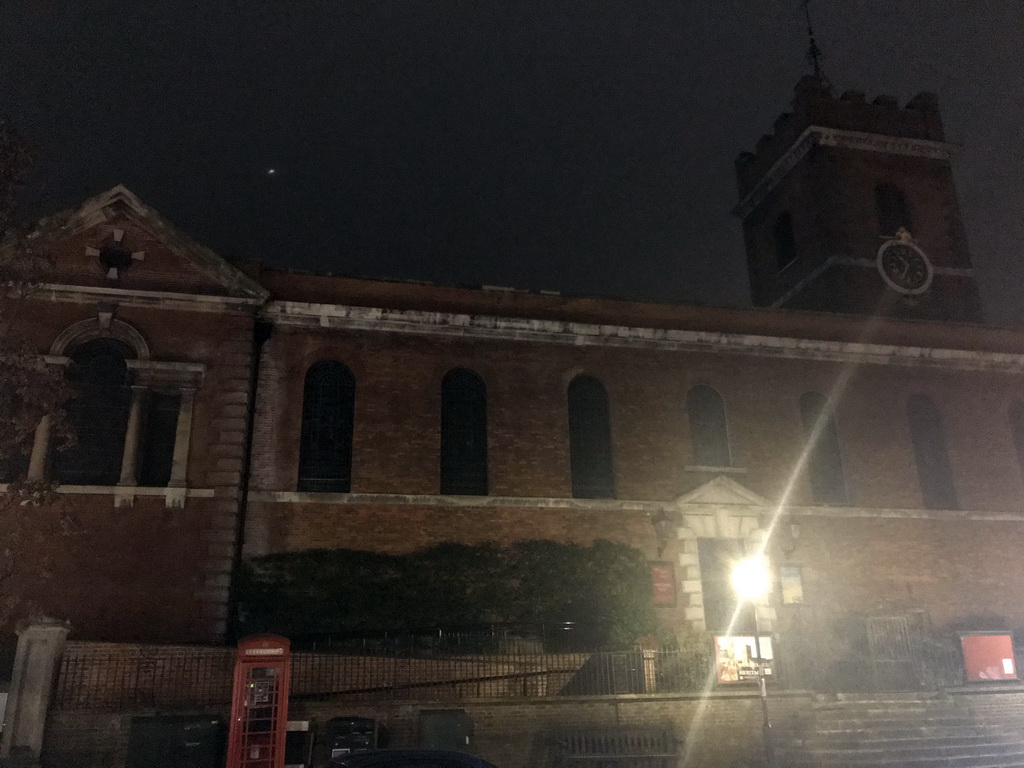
(813, 105)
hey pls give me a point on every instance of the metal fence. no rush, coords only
(114, 677)
(500, 639)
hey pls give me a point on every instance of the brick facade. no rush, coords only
(882, 549)
(145, 566)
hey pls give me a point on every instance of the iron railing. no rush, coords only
(113, 677)
(501, 639)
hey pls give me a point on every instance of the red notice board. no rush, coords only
(988, 656)
(663, 582)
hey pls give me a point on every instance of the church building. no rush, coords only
(860, 424)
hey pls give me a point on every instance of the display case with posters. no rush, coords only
(736, 658)
(988, 656)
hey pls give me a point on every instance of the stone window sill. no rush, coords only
(716, 470)
(124, 495)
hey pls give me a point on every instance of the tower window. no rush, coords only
(709, 431)
(929, 440)
(463, 434)
(824, 463)
(98, 414)
(325, 449)
(891, 206)
(590, 440)
(785, 240)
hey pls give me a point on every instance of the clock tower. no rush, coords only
(850, 206)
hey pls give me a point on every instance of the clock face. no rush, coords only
(904, 267)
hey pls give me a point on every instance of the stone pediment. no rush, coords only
(722, 491)
(115, 243)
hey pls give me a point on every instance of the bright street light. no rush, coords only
(751, 579)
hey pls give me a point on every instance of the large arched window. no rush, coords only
(785, 240)
(325, 449)
(709, 432)
(929, 440)
(590, 440)
(463, 434)
(824, 463)
(98, 414)
(891, 206)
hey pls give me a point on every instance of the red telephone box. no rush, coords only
(259, 703)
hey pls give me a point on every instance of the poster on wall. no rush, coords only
(735, 658)
(791, 584)
(663, 583)
(988, 656)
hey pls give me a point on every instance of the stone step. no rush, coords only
(903, 742)
(916, 730)
(922, 752)
(895, 723)
(826, 760)
(898, 697)
(981, 760)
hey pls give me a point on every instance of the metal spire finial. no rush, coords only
(813, 51)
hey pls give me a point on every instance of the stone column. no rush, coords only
(176, 486)
(36, 664)
(130, 459)
(650, 671)
(182, 438)
(40, 451)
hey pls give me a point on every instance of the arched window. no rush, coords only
(785, 240)
(891, 206)
(1017, 430)
(590, 440)
(463, 434)
(709, 432)
(325, 448)
(98, 414)
(824, 463)
(929, 440)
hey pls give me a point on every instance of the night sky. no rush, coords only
(585, 147)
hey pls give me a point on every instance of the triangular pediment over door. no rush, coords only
(721, 509)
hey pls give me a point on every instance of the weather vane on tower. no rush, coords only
(814, 53)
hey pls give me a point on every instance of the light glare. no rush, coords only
(751, 579)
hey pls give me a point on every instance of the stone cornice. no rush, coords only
(837, 137)
(404, 499)
(872, 264)
(89, 294)
(617, 505)
(907, 514)
(376, 319)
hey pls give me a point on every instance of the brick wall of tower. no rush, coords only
(830, 195)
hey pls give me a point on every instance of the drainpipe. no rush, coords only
(261, 331)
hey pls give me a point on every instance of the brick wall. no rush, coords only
(396, 451)
(148, 572)
(397, 418)
(720, 731)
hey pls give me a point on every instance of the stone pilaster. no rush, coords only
(36, 665)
